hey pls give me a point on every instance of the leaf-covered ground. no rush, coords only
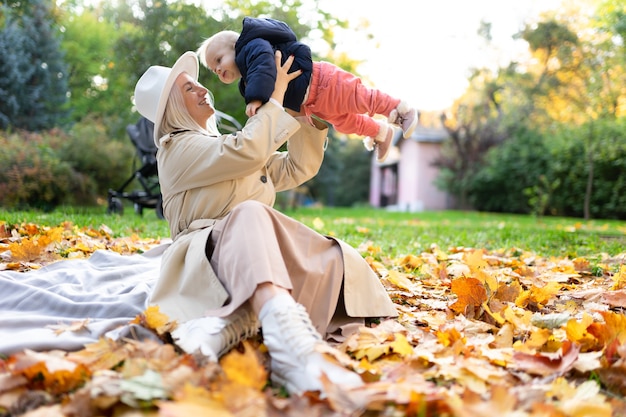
(480, 333)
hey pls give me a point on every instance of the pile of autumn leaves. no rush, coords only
(504, 333)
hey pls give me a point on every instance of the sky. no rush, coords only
(423, 50)
(426, 47)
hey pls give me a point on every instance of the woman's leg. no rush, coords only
(274, 257)
(264, 292)
(256, 244)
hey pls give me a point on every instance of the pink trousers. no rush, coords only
(341, 99)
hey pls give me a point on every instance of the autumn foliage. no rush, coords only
(480, 333)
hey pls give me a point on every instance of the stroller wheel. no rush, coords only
(115, 206)
(139, 209)
(159, 208)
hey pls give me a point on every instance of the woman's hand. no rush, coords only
(283, 77)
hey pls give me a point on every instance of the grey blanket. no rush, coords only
(104, 292)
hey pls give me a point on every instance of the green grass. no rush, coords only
(400, 233)
(396, 233)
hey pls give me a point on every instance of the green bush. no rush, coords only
(509, 169)
(89, 149)
(344, 177)
(534, 173)
(46, 169)
(32, 175)
(604, 144)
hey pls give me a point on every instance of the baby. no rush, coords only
(323, 89)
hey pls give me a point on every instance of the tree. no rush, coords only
(34, 76)
(89, 44)
(16, 70)
(575, 77)
(474, 126)
(583, 77)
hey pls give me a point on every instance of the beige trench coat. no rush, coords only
(202, 178)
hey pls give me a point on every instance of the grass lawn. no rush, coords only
(396, 233)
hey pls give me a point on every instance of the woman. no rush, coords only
(235, 263)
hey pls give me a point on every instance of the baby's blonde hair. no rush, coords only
(225, 37)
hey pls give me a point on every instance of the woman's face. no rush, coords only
(196, 98)
(220, 58)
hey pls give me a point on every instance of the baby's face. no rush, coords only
(220, 59)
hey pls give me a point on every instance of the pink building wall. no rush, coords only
(410, 170)
(416, 188)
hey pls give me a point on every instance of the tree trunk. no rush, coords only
(589, 187)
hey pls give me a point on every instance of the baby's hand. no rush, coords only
(253, 107)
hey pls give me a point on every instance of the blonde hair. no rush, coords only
(176, 117)
(225, 37)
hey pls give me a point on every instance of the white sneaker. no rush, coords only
(291, 341)
(215, 336)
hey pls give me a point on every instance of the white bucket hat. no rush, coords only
(153, 88)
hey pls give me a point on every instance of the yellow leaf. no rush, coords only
(619, 279)
(541, 295)
(373, 352)
(522, 299)
(401, 345)
(399, 279)
(496, 316)
(205, 407)
(577, 330)
(475, 260)
(28, 249)
(366, 365)
(370, 343)
(518, 317)
(449, 336)
(244, 368)
(411, 262)
(104, 354)
(152, 318)
(538, 338)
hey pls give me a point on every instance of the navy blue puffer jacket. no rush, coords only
(254, 55)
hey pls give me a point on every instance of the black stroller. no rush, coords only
(149, 196)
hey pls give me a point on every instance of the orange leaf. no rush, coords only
(508, 292)
(49, 371)
(4, 230)
(470, 292)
